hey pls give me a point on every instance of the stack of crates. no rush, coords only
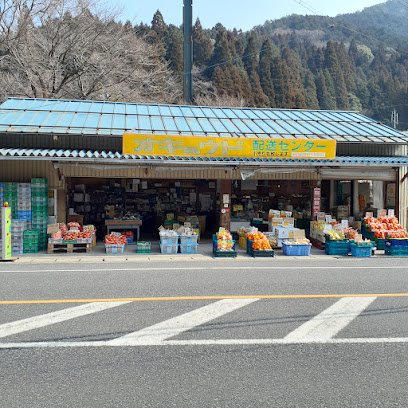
(10, 196)
(17, 236)
(31, 240)
(24, 202)
(39, 209)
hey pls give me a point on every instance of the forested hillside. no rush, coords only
(296, 62)
(350, 62)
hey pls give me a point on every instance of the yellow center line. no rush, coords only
(170, 298)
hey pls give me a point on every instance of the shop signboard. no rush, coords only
(199, 146)
(6, 233)
(316, 200)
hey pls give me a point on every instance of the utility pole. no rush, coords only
(188, 51)
(394, 118)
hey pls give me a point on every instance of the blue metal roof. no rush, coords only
(109, 156)
(56, 116)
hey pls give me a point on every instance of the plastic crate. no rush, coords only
(296, 250)
(379, 243)
(169, 240)
(188, 239)
(129, 240)
(115, 249)
(265, 253)
(401, 242)
(396, 250)
(337, 247)
(143, 247)
(168, 248)
(188, 248)
(360, 251)
(55, 240)
(249, 246)
(224, 254)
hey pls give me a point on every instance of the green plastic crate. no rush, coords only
(143, 247)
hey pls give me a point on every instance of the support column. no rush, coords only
(356, 207)
(225, 204)
(333, 195)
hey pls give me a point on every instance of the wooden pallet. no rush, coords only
(69, 248)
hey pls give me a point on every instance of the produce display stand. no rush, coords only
(122, 224)
(316, 243)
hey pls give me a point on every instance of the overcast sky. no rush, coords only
(243, 14)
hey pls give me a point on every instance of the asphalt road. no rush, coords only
(224, 333)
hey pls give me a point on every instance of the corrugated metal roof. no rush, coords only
(109, 156)
(58, 116)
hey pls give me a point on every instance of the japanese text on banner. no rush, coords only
(228, 147)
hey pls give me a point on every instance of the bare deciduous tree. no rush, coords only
(69, 50)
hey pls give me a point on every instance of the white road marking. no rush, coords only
(221, 342)
(156, 334)
(204, 268)
(35, 322)
(328, 323)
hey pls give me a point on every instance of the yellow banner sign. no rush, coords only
(169, 145)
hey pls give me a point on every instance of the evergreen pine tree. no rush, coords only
(174, 53)
(251, 56)
(310, 91)
(326, 100)
(264, 70)
(202, 45)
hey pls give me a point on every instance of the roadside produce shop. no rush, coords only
(134, 168)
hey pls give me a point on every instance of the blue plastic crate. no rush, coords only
(188, 248)
(129, 240)
(169, 240)
(169, 248)
(360, 251)
(296, 250)
(188, 239)
(399, 242)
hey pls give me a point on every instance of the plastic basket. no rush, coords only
(188, 248)
(337, 247)
(396, 250)
(265, 253)
(360, 251)
(143, 247)
(115, 249)
(296, 250)
(188, 239)
(379, 243)
(169, 240)
(55, 240)
(224, 254)
(129, 240)
(168, 249)
(401, 242)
